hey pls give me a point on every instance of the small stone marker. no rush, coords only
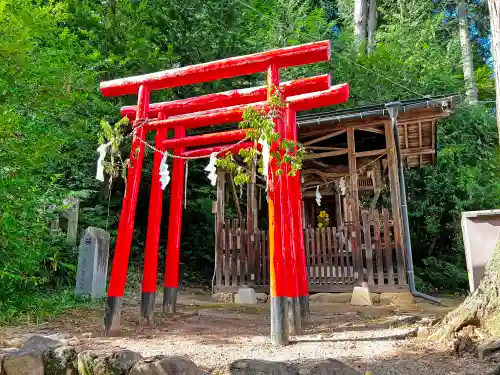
(246, 296)
(361, 296)
(92, 268)
(71, 215)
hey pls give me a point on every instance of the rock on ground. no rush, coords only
(60, 360)
(23, 362)
(307, 367)
(260, 367)
(116, 363)
(163, 365)
(223, 297)
(331, 297)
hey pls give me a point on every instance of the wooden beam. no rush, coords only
(354, 202)
(324, 154)
(325, 148)
(417, 151)
(331, 135)
(370, 153)
(394, 186)
(372, 130)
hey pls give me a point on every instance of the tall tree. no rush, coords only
(467, 62)
(494, 7)
(372, 25)
(360, 21)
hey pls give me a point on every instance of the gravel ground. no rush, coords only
(214, 335)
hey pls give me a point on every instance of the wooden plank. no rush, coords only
(340, 249)
(331, 261)
(388, 247)
(242, 249)
(331, 135)
(258, 257)
(324, 257)
(368, 247)
(370, 153)
(265, 259)
(317, 254)
(308, 253)
(227, 255)
(394, 187)
(354, 206)
(319, 148)
(234, 255)
(348, 252)
(378, 247)
(218, 256)
(372, 130)
(401, 266)
(320, 155)
(405, 129)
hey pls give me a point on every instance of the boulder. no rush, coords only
(116, 363)
(60, 360)
(325, 367)
(246, 296)
(260, 367)
(361, 296)
(261, 297)
(331, 297)
(163, 365)
(223, 297)
(23, 362)
(42, 343)
(397, 299)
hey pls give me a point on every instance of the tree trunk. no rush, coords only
(360, 14)
(480, 309)
(372, 25)
(467, 62)
(494, 7)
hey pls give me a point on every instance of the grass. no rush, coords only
(34, 308)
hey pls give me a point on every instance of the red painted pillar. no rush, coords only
(171, 282)
(150, 272)
(298, 229)
(279, 303)
(288, 235)
(126, 225)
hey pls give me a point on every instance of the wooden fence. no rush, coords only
(335, 260)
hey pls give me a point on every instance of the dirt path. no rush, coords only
(214, 335)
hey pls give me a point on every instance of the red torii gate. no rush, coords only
(287, 256)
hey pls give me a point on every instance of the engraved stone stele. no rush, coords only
(92, 263)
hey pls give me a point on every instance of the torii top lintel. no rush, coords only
(230, 98)
(220, 69)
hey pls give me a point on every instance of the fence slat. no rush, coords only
(378, 248)
(329, 257)
(388, 247)
(242, 249)
(259, 257)
(234, 257)
(341, 244)
(219, 243)
(368, 247)
(335, 256)
(350, 261)
(227, 254)
(265, 264)
(308, 254)
(323, 257)
(317, 255)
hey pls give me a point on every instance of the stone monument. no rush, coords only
(92, 268)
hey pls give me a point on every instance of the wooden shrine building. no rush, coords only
(352, 161)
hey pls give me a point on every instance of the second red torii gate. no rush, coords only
(278, 203)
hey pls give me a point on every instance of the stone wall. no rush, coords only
(52, 355)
